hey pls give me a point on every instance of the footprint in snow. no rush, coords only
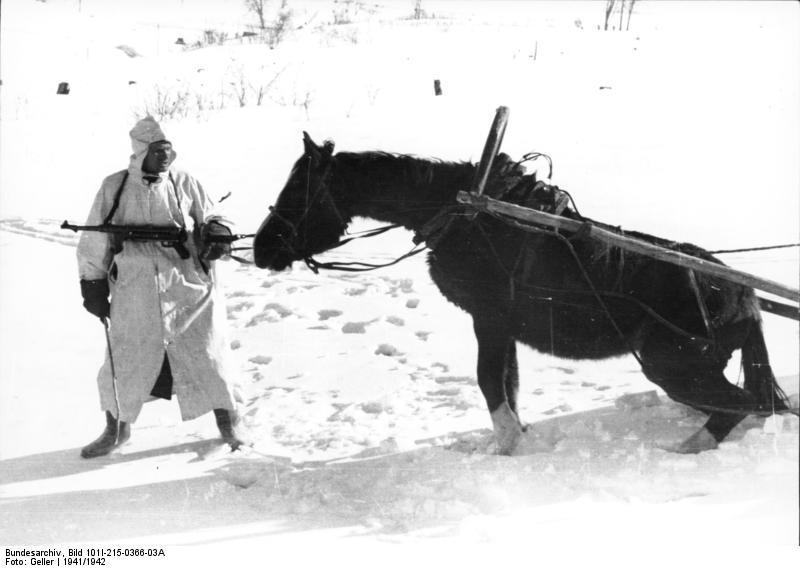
(373, 407)
(328, 314)
(279, 309)
(260, 360)
(412, 303)
(405, 285)
(423, 335)
(355, 291)
(271, 313)
(356, 326)
(394, 320)
(239, 307)
(445, 392)
(452, 379)
(388, 350)
(238, 294)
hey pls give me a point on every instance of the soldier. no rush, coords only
(166, 317)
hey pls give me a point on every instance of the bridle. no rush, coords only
(322, 193)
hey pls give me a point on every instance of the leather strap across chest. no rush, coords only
(118, 195)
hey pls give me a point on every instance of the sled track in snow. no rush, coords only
(43, 229)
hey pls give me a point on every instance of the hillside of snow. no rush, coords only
(371, 440)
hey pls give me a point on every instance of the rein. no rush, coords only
(315, 266)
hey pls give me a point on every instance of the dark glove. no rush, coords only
(95, 297)
(210, 250)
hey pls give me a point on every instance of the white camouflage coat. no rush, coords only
(159, 302)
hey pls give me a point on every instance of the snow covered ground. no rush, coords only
(371, 439)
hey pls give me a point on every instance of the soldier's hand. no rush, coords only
(95, 297)
(209, 249)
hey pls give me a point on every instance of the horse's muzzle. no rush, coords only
(269, 250)
(271, 258)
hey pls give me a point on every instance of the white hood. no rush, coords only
(144, 133)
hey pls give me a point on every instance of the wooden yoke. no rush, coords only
(540, 218)
(490, 150)
(436, 229)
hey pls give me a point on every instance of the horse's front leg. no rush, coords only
(496, 349)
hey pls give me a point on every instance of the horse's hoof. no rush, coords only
(700, 441)
(507, 429)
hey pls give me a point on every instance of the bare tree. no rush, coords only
(630, 9)
(281, 24)
(419, 13)
(257, 7)
(609, 9)
(611, 4)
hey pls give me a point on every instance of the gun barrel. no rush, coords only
(135, 232)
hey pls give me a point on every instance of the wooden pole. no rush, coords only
(490, 149)
(484, 203)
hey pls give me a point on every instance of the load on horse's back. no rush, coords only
(575, 298)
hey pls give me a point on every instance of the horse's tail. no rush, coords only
(758, 377)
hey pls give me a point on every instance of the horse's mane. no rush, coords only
(406, 160)
(410, 170)
(441, 178)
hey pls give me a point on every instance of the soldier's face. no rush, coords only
(159, 157)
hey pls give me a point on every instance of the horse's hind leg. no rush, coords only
(730, 406)
(693, 378)
(498, 382)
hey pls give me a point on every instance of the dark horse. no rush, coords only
(575, 298)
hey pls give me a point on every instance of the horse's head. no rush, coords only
(306, 218)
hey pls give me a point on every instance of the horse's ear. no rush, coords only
(311, 148)
(327, 148)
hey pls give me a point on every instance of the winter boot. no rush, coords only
(112, 437)
(227, 422)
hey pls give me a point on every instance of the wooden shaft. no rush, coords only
(783, 310)
(490, 149)
(485, 203)
(701, 303)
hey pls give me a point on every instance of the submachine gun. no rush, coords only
(168, 236)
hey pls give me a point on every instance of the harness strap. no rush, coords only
(435, 229)
(177, 200)
(117, 196)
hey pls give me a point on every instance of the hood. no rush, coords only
(144, 133)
